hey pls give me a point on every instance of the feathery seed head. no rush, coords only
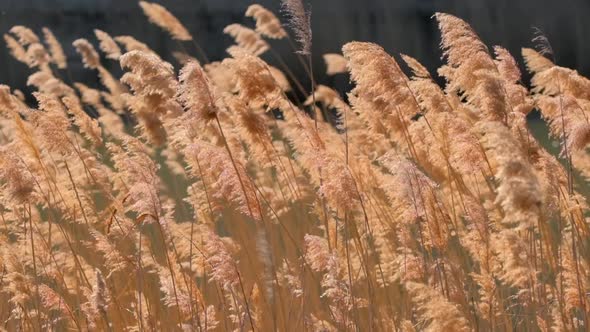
(247, 39)
(267, 24)
(16, 49)
(108, 44)
(195, 94)
(57, 53)
(335, 63)
(161, 17)
(25, 35)
(458, 40)
(300, 22)
(89, 55)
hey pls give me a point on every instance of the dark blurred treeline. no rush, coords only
(400, 26)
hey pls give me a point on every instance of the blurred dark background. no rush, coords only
(400, 26)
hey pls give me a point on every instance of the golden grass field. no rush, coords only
(230, 196)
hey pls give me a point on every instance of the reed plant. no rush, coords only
(235, 195)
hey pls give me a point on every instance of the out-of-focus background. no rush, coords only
(400, 26)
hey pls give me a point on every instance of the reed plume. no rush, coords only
(300, 22)
(161, 17)
(267, 24)
(55, 49)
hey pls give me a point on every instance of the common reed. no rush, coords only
(216, 197)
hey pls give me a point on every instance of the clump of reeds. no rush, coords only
(225, 196)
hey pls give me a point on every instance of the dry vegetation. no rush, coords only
(216, 198)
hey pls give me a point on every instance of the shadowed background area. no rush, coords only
(400, 26)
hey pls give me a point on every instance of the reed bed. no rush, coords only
(229, 195)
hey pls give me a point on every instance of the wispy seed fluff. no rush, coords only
(9, 103)
(18, 182)
(339, 187)
(131, 44)
(381, 87)
(335, 63)
(405, 181)
(88, 126)
(219, 257)
(300, 22)
(45, 82)
(89, 55)
(436, 312)
(53, 124)
(429, 94)
(149, 74)
(108, 45)
(231, 181)
(161, 17)
(335, 288)
(55, 50)
(579, 137)
(25, 35)
(254, 81)
(247, 39)
(417, 68)
(458, 40)
(100, 294)
(37, 56)
(195, 93)
(16, 49)
(267, 24)
(536, 62)
(506, 65)
(471, 71)
(154, 85)
(519, 191)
